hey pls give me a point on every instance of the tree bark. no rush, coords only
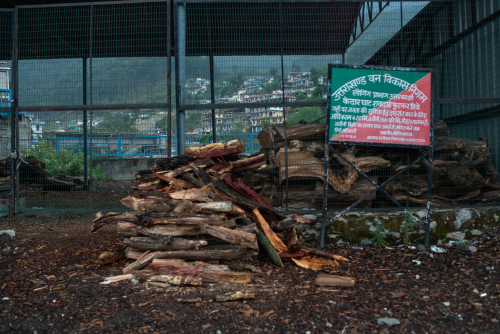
(174, 230)
(209, 255)
(214, 207)
(216, 149)
(228, 276)
(165, 244)
(264, 226)
(213, 296)
(234, 237)
(151, 204)
(269, 249)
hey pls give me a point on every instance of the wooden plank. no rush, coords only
(332, 280)
(175, 230)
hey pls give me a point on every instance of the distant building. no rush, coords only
(37, 128)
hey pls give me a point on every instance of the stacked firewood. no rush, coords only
(192, 211)
(462, 171)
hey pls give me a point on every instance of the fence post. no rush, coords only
(251, 144)
(119, 147)
(57, 144)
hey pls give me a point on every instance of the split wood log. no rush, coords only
(223, 276)
(315, 263)
(293, 243)
(151, 204)
(336, 199)
(184, 206)
(289, 222)
(172, 162)
(148, 182)
(441, 130)
(315, 251)
(248, 229)
(104, 218)
(224, 192)
(198, 184)
(264, 226)
(269, 249)
(291, 255)
(32, 171)
(141, 262)
(468, 152)
(158, 218)
(180, 263)
(133, 254)
(248, 163)
(171, 180)
(194, 195)
(244, 190)
(213, 296)
(491, 197)
(491, 176)
(177, 279)
(332, 280)
(114, 279)
(165, 244)
(110, 257)
(165, 230)
(216, 149)
(233, 236)
(214, 207)
(209, 255)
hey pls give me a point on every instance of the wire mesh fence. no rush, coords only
(95, 84)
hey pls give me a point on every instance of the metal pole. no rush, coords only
(401, 48)
(15, 104)
(212, 98)
(169, 81)
(180, 68)
(91, 31)
(85, 152)
(283, 100)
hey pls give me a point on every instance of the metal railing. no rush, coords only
(139, 146)
(5, 97)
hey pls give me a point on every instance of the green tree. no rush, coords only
(237, 127)
(319, 91)
(308, 114)
(295, 67)
(266, 122)
(118, 122)
(273, 72)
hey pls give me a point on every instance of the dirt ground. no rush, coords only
(50, 283)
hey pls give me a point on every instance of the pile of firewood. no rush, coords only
(462, 171)
(194, 208)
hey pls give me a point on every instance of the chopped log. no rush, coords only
(315, 263)
(315, 251)
(248, 163)
(166, 243)
(248, 229)
(441, 130)
(269, 249)
(178, 171)
(198, 184)
(468, 152)
(223, 276)
(208, 255)
(213, 296)
(151, 204)
(177, 279)
(179, 218)
(180, 263)
(264, 226)
(133, 254)
(175, 230)
(114, 279)
(332, 280)
(150, 181)
(237, 211)
(289, 222)
(224, 192)
(244, 190)
(292, 241)
(336, 199)
(141, 262)
(163, 268)
(184, 206)
(170, 262)
(194, 195)
(491, 176)
(172, 162)
(171, 180)
(491, 197)
(216, 149)
(110, 257)
(233, 236)
(104, 218)
(214, 207)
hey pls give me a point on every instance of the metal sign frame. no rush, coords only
(328, 147)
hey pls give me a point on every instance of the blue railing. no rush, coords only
(5, 97)
(139, 146)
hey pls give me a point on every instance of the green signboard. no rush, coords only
(369, 105)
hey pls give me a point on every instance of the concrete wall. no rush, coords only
(24, 133)
(123, 169)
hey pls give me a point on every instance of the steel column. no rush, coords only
(169, 80)
(85, 152)
(180, 68)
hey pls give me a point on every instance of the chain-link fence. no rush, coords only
(98, 93)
